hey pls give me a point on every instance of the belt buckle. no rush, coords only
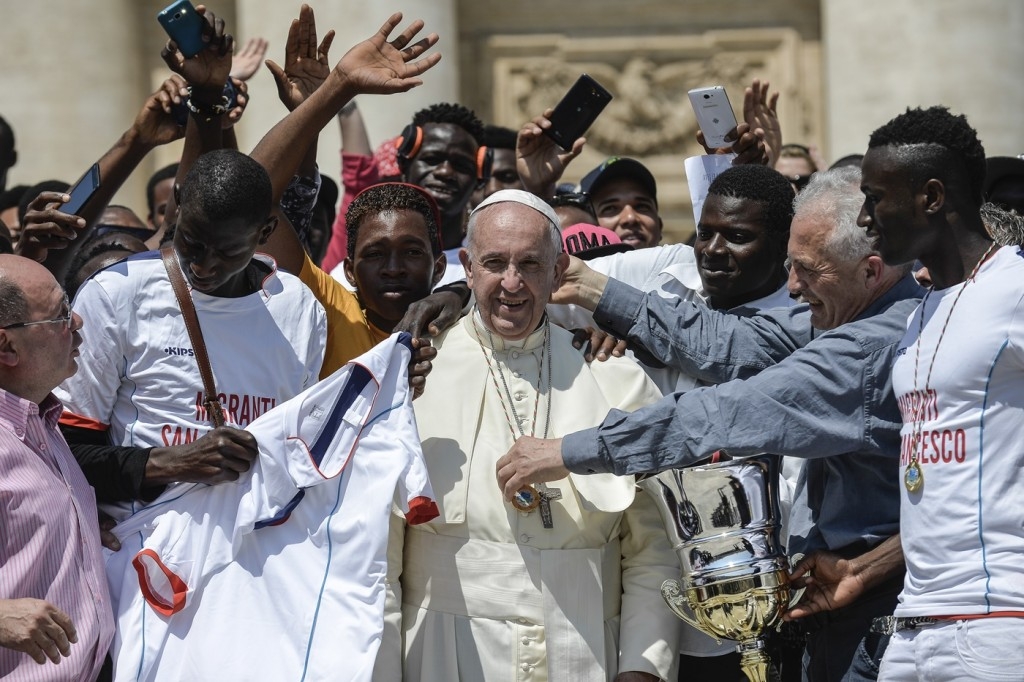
(884, 625)
(890, 625)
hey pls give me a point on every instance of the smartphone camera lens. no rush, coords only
(707, 96)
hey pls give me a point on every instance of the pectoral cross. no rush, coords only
(546, 495)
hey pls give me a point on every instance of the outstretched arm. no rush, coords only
(52, 236)
(206, 73)
(833, 582)
(355, 139)
(359, 170)
(373, 66)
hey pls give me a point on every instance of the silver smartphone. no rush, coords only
(714, 114)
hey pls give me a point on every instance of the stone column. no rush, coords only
(71, 83)
(882, 56)
(353, 22)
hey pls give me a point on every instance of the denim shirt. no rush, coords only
(788, 390)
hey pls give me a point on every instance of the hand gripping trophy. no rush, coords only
(723, 520)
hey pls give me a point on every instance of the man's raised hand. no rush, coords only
(539, 161)
(305, 63)
(379, 66)
(47, 227)
(748, 146)
(246, 61)
(759, 111)
(155, 124)
(208, 71)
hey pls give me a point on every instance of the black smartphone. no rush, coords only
(184, 25)
(82, 191)
(577, 111)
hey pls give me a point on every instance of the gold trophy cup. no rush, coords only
(723, 520)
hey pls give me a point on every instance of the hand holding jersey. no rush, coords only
(221, 455)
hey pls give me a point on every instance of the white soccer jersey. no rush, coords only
(134, 336)
(961, 531)
(335, 457)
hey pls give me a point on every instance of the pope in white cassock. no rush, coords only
(563, 584)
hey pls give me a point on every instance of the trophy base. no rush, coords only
(753, 660)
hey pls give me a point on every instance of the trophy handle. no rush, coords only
(672, 593)
(794, 595)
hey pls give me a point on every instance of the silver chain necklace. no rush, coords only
(913, 475)
(528, 497)
(507, 393)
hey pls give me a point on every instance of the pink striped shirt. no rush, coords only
(49, 538)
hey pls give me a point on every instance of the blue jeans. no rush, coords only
(840, 646)
(867, 659)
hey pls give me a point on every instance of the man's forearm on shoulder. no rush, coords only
(711, 345)
(616, 308)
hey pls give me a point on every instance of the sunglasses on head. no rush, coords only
(793, 147)
(576, 199)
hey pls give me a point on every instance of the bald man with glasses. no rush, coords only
(54, 604)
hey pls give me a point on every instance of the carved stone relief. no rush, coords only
(650, 117)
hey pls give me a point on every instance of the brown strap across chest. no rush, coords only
(195, 334)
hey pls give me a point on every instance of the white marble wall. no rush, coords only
(69, 84)
(884, 55)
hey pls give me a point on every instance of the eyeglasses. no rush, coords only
(64, 319)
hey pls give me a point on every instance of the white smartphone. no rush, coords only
(714, 114)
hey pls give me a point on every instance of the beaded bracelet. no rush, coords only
(207, 112)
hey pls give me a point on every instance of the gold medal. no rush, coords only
(913, 477)
(526, 499)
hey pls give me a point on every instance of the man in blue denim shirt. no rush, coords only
(823, 394)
